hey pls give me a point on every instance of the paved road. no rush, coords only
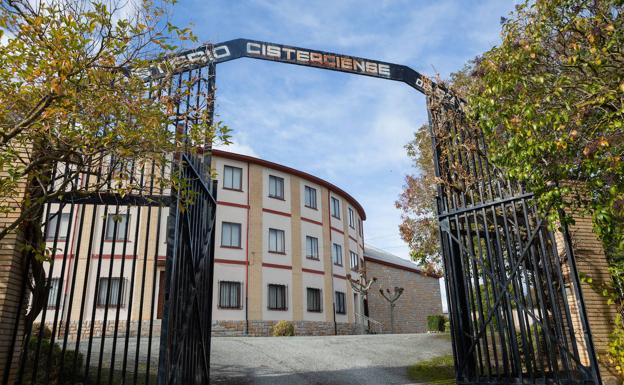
(361, 360)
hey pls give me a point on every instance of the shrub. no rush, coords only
(440, 370)
(68, 375)
(283, 329)
(436, 323)
(45, 333)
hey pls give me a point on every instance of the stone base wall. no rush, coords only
(263, 328)
(98, 327)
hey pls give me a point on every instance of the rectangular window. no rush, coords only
(351, 218)
(312, 248)
(341, 307)
(335, 208)
(232, 178)
(310, 197)
(229, 295)
(277, 297)
(116, 226)
(54, 290)
(116, 293)
(360, 229)
(355, 260)
(276, 241)
(276, 187)
(337, 254)
(314, 300)
(231, 234)
(62, 221)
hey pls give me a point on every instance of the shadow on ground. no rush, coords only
(235, 375)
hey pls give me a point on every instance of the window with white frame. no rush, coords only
(231, 234)
(232, 178)
(351, 218)
(117, 226)
(341, 306)
(229, 295)
(335, 208)
(312, 251)
(314, 300)
(276, 241)
(55, 284)
(310, 197)
(276, 187)
(337, 254)
(111, 292)
(58, 226)
(355, 260)
(277, 297)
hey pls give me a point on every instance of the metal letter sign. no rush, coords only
(238, 48)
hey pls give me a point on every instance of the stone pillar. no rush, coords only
(592, 261)
(11, 275)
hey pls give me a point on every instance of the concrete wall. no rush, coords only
(420, 298)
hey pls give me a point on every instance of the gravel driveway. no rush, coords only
(362, 359)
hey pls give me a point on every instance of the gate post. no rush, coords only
(11, 294)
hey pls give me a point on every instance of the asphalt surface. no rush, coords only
(361, 360)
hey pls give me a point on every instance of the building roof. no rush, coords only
(377, 255)
(290, 170)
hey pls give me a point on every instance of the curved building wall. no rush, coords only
(247, 267)
(256, 266)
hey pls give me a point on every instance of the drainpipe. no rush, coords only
(247, 259)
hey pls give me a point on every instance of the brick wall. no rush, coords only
(420, 298)
(591, 260)
(10, 292)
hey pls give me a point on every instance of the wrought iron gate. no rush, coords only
(517, 312)
(128, 287)
(185, 342)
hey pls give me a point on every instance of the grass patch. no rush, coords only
(438, 370)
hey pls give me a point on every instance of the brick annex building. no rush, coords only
(420, 298)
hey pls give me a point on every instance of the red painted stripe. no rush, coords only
(338, 230)
(312, 221)
(276, 212)
(276, 266)
(313, 271)
(233, 204)
(339, 276)
(114, 256)
(353, 239)
(230, 261)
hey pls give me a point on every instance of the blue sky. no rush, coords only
(347, 129)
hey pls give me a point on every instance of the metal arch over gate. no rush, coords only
(516, 306)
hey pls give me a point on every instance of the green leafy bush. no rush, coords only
(283, 329)
(436, 323)
(49, 361)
